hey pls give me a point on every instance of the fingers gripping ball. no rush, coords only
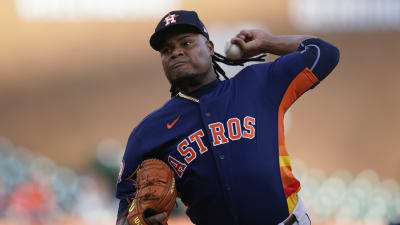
(233, 51)
(155, 192)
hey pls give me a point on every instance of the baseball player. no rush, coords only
(224, 139)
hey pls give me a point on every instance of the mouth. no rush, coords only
(178, 64)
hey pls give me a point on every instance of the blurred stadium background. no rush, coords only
(77, 75)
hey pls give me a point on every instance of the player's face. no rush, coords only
(186, 56)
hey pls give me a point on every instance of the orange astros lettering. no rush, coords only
(234, 129)
(186, 151)
(218, 130)
(249, 123)
(196, 136)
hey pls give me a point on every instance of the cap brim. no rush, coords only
(157, 38)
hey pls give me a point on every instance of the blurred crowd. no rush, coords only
(344, 198)
(34, 190)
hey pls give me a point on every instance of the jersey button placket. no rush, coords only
(218, 154)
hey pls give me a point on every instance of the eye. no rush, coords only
(187, 43)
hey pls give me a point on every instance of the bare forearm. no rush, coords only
(283, 44)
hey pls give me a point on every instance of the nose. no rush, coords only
(177, 52)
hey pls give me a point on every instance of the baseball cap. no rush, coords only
(179, 18)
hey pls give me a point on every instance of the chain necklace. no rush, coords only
(190, 98)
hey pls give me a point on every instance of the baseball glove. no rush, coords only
(155, 192)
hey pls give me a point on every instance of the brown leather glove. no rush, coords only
(155, 192)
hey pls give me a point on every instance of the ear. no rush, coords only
(210, 46)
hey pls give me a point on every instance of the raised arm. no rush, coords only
(254, 42)
(300, 55)
(319, 56)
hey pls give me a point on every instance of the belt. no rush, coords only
(290, 220)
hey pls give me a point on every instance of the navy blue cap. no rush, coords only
(180, 18)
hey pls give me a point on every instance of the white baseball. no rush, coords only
(232, 51)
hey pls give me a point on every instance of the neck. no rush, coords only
(192, 83)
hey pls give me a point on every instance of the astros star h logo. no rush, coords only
(170, 19)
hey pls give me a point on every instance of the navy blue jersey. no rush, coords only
(227, 151)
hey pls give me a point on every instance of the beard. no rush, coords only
(188, 80)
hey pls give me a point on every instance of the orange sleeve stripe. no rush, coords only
(282, 150)
(300, 84)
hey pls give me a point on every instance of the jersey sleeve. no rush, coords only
(300, 70)
(135, 152)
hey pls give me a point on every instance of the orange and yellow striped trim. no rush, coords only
(300, 84)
